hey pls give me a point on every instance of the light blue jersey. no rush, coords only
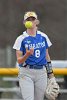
(40, 43)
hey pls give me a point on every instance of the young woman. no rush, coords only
(34, 60)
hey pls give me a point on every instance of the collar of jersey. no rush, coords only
(31, 35)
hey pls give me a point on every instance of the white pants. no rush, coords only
(32, 83)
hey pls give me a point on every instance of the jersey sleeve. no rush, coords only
(47, 38)
(48, 42)
(17, 44)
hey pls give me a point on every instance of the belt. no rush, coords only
(34, 66)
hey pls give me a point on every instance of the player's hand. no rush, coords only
(52, 89)
(29, 52)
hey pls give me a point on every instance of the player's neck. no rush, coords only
(32, 32)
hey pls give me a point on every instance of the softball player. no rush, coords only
(34, 62)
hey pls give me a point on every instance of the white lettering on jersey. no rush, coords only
(35, 46)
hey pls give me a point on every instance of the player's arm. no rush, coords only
(22, 58)
(49, 65)
(52, 89)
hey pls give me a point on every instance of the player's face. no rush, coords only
(33, 20)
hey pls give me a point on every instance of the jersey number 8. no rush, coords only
(37, 53)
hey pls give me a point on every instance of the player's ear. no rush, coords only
(37, 22)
